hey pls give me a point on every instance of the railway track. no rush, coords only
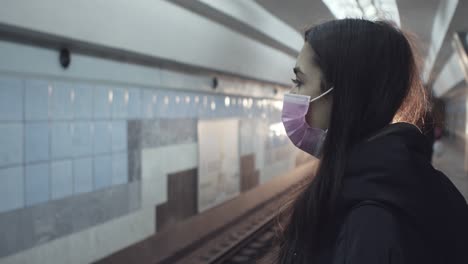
(247, 241)
(258, 243)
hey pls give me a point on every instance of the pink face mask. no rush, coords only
(303, 136)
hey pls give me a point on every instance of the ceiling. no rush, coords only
(416, 16)
(299, 14)
(458, 23)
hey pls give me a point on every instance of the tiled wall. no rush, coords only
(92, 145)
(61, 139)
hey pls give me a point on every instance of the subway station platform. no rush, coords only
(151, 131)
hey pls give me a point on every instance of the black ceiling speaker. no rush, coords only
(65, 58)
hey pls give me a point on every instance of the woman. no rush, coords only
(357, 105)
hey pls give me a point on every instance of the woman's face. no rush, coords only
(309, 79)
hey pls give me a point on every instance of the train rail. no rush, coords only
(248, 241)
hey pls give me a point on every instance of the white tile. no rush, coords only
(247, 137)
(37, 183)
(83, 175)
(37, 141)
(62, 133)
(191, 106)
(119, 168)
(182, 109)
(102, 102)
(102, 171)
(221, 109)
(203, 107)
(11, 142)
(83, 101)
(134, 103)
(102, 137)
(150, 101)
(11, 188)
(61, 177)
(156, 163)
(119, 135)
(11, 99)
(218, 143)
(37, 99)
(121, 97)
(80, 248)
(171, 109)
(118, 233)
(63, 97)
(82, 139)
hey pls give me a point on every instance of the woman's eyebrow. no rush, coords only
(297, 70)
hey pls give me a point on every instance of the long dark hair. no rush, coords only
(373, 70)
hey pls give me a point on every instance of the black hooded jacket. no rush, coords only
(399, 208)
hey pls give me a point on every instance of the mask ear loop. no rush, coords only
(322, 95)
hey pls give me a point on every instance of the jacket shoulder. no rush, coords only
(369, 234)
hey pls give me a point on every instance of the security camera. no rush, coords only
(65, 58)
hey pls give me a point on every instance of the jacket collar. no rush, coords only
(409, 134)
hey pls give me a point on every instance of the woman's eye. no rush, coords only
(296, 82)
